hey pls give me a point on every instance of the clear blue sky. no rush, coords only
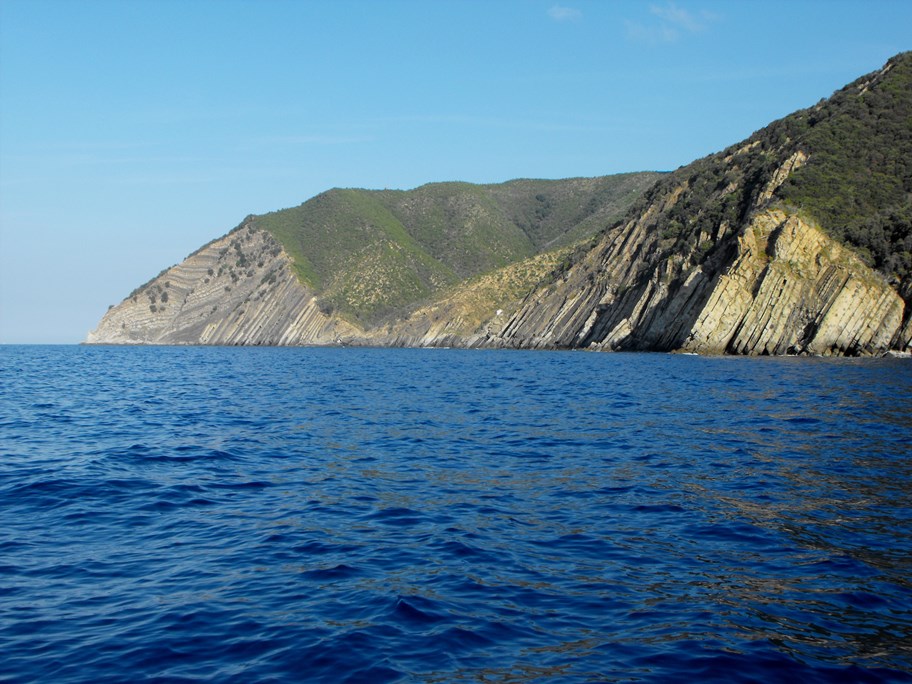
(134, 131)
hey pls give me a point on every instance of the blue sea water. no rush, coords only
(369, 515)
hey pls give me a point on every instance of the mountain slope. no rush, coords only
(796, 240)
(347, 261)
(373, 254)
(757, 249)
(238, 289)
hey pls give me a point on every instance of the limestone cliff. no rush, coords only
(791, 289)
(764, 248)
(785, 289)
(239, 289)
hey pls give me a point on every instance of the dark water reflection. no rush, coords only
(403, 515)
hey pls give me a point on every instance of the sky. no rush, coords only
(134, 131)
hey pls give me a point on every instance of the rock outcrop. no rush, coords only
(239, 289)
(785, 289)
(764, 248)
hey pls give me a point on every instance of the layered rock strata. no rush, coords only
(778, 286)
(747, 251)
(786, 288)
(240, 289)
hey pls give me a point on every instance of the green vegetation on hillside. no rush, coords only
(856, 183)
(371, 254)
(858, 179)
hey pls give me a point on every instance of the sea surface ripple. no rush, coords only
(368, 515)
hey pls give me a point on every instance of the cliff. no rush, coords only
(239, 289)
(786, 289)
(756, 250)
(797, 240)
(354, 266)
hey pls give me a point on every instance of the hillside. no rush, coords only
(796, 240)
(352, 263)
(760, 248)
(374, 254)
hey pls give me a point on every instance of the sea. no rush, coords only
(206, 514)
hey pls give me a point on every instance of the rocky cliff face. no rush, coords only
(791, 289)
(778, 285)
(785, 289)
(754, 250)
(373, 267)
(769, 284)
(738, 252)
(239, 289)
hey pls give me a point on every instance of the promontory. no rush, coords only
(797, 240)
